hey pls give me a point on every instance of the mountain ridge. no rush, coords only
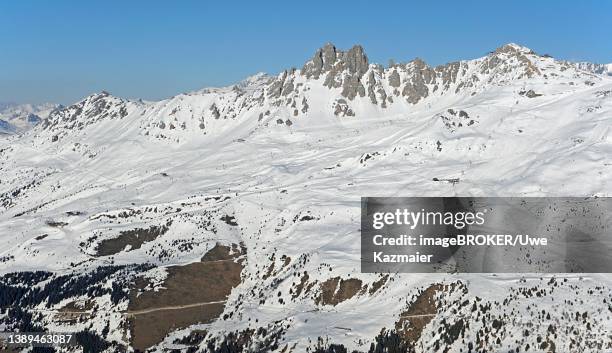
(347, 80)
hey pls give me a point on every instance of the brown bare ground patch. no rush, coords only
(134, 237)
(378, 284)
(270, 272)
(300, 287)
(192, 294)
(222, 253)
(148, 329)
(419, 314)
(286, 260)
(336, 290)
(73, 312)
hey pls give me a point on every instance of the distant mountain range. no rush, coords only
(15, 118)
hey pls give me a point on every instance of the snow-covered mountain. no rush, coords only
(600, 69)
(232, 214)
(16, 118)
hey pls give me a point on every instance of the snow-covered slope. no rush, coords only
(253, 191)
(21, 117)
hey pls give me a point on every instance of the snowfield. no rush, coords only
(269, 173)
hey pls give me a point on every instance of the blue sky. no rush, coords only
(61, 51)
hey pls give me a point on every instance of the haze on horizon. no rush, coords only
(62, 51)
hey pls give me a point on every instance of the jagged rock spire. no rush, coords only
(328, 58)
(356, 60)
(333, 64)
(322, 61)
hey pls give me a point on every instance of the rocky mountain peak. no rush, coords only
(328, 58)
(322, 61)
(93, 108)
(510, 58)
(254, 80)
(513, 48)
(356, 60)
(339, 68)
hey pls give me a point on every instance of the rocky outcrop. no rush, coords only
(95, 108)
(321, 62)
(421, 76)
(501, 61)
(394, 79)
(339, 69)
(341, 108)
(283, 85)
(336, 290)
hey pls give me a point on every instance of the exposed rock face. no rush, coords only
(341, 69)
(448, 73)
(215, 111)
(394, 79)
(322, 62)
(351, 77)
(371, 84)
(501, 58)
(422, 75)
(356, 60)
(415, 80)
(352, 87)
(282, 86)
(342, 108)
(529, 94)
(287, 87)
(376, 90)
